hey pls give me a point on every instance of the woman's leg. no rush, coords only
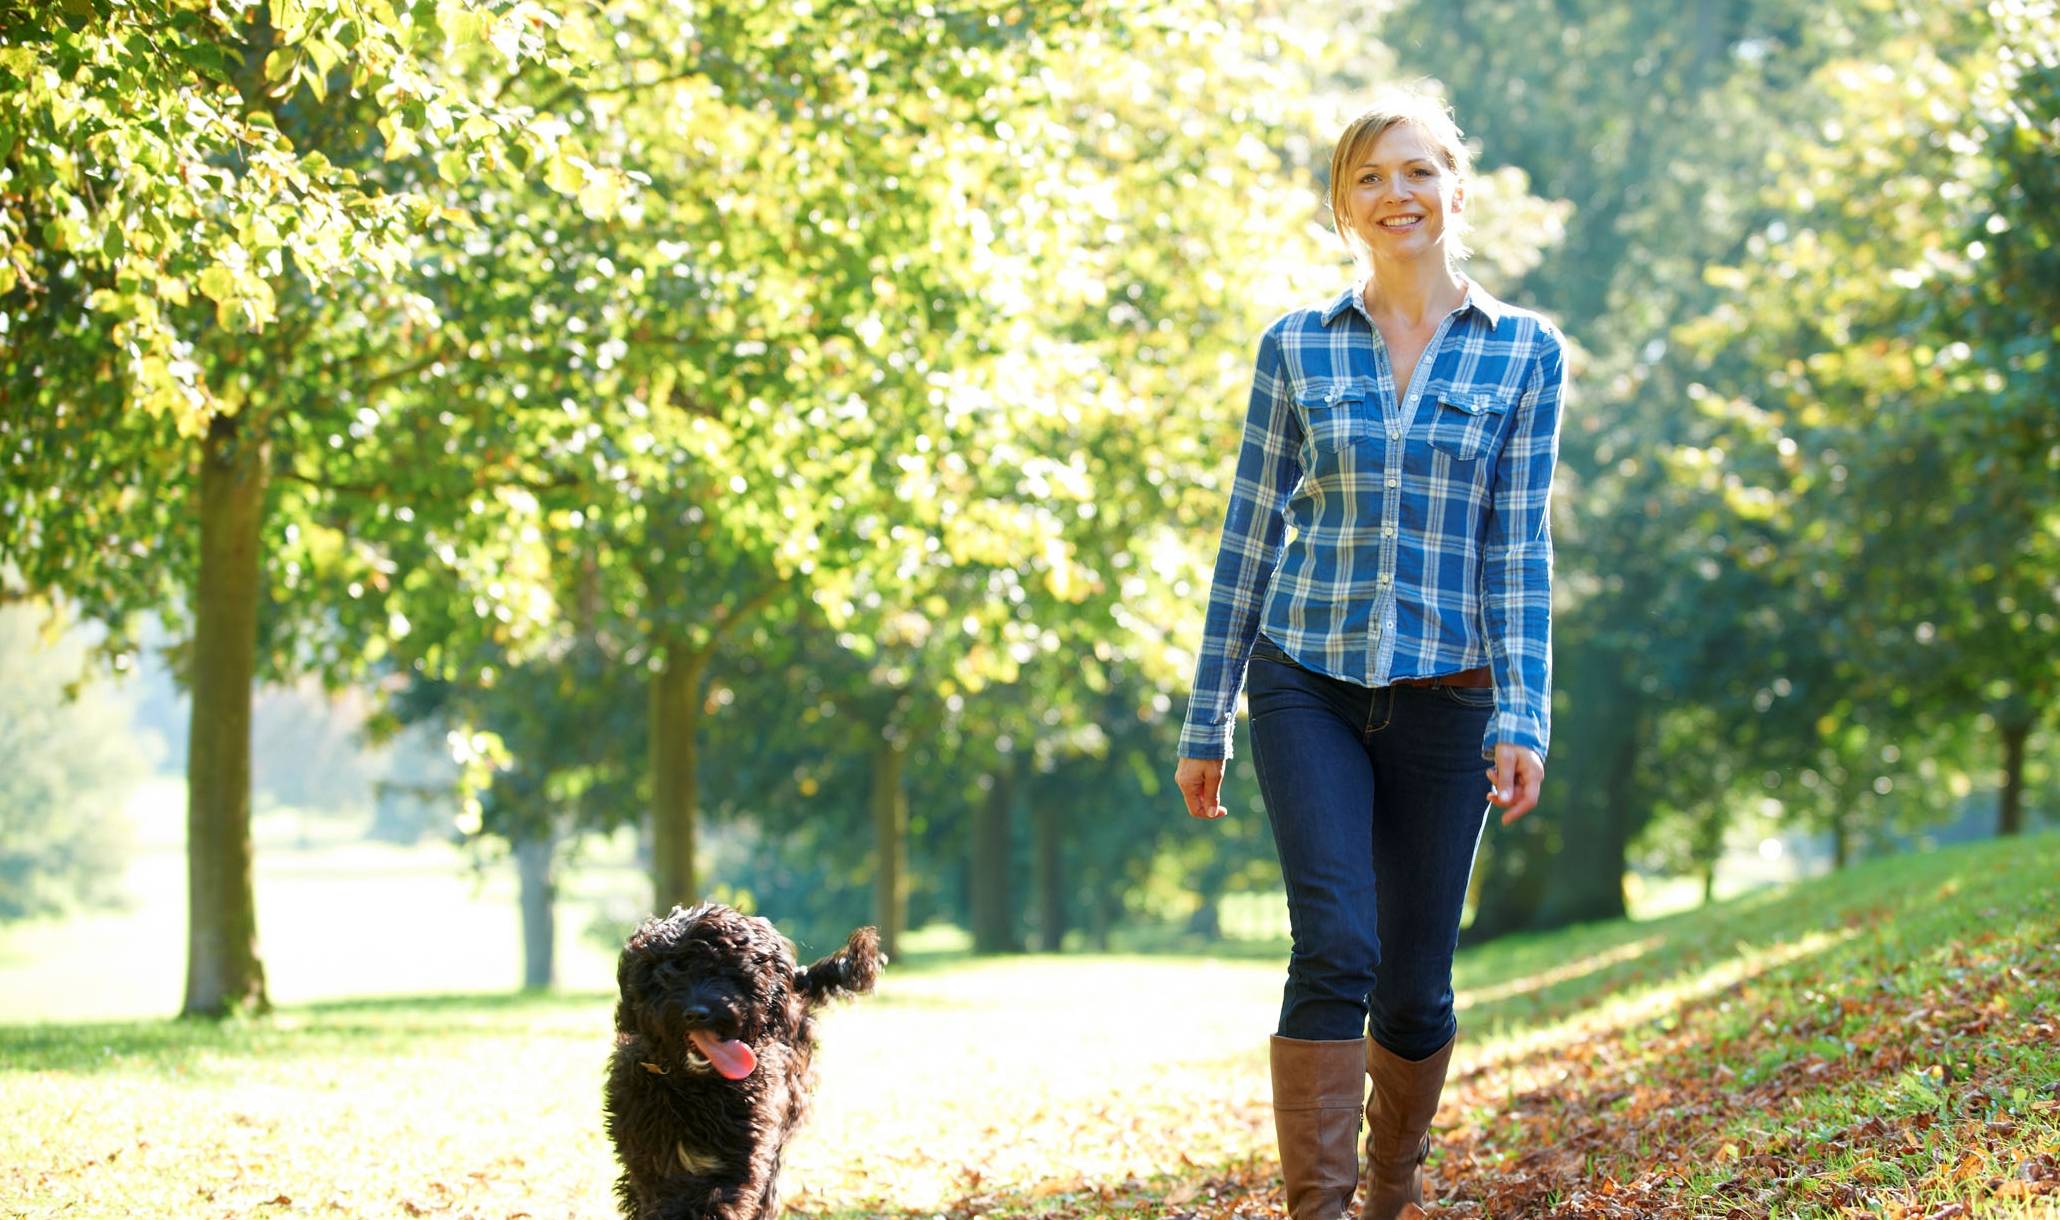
(1434, 803)
(1316, 781)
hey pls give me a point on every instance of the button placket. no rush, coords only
(1391, 499)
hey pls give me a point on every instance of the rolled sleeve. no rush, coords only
(1267, 472)
(1516, 570)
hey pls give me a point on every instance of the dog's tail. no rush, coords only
(849, 971)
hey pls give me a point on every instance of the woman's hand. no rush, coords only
(1200, 780)
(1517, 775)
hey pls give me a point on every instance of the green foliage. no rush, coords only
(1885, 450)
(67, 763)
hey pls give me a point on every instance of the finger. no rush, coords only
(1212, 788)
(1529, 781)
(1498, 786)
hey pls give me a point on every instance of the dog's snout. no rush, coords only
(696, 1012)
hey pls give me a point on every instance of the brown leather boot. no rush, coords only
(1398, 1122)
(1317, 1087)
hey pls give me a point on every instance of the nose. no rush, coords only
(695, 1012)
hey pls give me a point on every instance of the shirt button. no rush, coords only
(1388, 531)
(1394, 434)
(1394, 482)
(1385, 578)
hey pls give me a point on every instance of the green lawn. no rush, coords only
(1881, 1043)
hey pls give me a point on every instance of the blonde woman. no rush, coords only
(1383, 588)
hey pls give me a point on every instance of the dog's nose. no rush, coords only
(695, 1012)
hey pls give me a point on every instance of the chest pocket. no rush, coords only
(1466, 419)
(1336, 411)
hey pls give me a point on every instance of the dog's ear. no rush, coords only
(850, 970)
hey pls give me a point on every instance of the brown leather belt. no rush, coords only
(1478, 676)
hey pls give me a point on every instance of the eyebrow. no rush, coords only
(1404, 161)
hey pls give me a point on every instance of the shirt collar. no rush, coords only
(1477, 298)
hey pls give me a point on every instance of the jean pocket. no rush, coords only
(1471, 696)
(1264, 649)
(1467, 420)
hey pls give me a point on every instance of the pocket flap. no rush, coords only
(1475, 401)
(1330, 391)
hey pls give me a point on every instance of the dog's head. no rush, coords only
(706, 987)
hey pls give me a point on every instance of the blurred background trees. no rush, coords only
(793, 437)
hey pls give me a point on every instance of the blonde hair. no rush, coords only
(1430, 114)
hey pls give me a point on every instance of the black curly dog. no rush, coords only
(713, 1038)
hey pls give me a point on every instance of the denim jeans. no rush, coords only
(1377, 797)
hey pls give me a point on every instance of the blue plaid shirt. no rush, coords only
(1415, 534)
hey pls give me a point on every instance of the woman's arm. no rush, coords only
(1267, 472)
(1516, 568)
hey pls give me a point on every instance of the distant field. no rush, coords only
(337, 917)
(1879, 1043)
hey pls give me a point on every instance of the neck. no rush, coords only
(1413, 292)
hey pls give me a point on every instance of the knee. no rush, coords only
(1337, 952)
(1413, 1027)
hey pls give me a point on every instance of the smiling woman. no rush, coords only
(1384, 578)
(1410, 140)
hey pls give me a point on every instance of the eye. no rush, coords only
(1420, 172)
(1369, 178)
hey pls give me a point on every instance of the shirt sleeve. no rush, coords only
(1267, 472)
(1516, 573)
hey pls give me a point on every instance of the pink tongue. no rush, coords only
(733, 1059)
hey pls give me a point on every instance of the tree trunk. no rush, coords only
(890, 842)
(675, 717)
(1564, 862)
(2010, 809)
(223, 971)
(993, 903)
(539, 897)
(1051, 876)
(1841, 837)
(1586, 883)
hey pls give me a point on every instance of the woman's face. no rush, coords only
(1400, 194)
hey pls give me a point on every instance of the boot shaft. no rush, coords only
(1318, 1089)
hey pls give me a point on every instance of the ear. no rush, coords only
(850, 970)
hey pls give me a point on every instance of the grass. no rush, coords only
(1884, 1042)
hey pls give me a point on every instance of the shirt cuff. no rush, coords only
(1514, 729)
(1204, 741)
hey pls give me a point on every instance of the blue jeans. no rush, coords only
(1377, 797)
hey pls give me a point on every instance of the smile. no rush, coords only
(1401, 222)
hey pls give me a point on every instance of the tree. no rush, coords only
(559, 755)
(1889, 410)
(211, 217)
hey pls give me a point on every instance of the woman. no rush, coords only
(1384, 585)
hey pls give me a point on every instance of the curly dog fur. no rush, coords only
(714, 1033)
